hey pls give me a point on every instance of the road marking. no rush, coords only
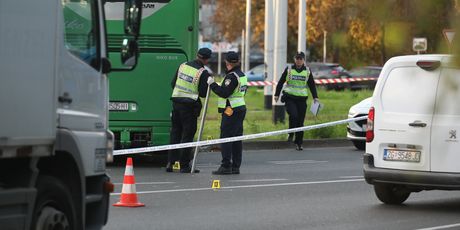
(257, 180)
(150, 183)
(441, 227)
(295, 162)
(248, 186)
(350, 177)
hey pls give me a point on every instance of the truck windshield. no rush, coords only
(79, 33)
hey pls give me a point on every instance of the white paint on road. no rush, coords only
(248, 186)
(257, 180)
(294, 162)
(442, 227)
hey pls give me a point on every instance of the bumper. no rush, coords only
(414, 179)
(355, 135)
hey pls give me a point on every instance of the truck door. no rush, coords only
(403, 118)
(445, 135)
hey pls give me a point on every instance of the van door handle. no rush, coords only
(417, 124)
(65, 98)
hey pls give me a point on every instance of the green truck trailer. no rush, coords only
(140, 106)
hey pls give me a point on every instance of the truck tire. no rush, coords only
(390, 193)
(54, 208)
(361, 145)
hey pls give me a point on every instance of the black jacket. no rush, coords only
(310, 83)
(202, 85)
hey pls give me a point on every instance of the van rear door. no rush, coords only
(404, 115)
(445, 137)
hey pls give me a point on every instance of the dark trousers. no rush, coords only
(232, 126)
(183, 130)
(296, 110)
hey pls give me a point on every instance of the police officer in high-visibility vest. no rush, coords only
(231, 104)
(295, 94)
(189, 84)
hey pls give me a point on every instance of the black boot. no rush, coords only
(222, 171)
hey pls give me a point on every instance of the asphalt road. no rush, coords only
(318, 188)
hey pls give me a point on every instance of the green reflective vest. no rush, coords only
(236, 99)
(296, 82)
(187, 82)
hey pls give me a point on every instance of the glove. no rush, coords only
(210, 80)
(276, 98)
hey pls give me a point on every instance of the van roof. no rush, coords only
(411, 60)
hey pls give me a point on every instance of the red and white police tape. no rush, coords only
(318, 81)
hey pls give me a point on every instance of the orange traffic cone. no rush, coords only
(128, 194)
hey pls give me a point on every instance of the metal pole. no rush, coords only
(268, 52)
(219, 59)
(324, 46)
(248, 36)
(301, 42)
(280, 53)
(201, 129)
(243, 48)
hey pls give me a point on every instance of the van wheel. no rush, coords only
(53, 208)
(390, 193)
(361, 145)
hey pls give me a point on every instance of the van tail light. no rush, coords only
(428, 65)
(370, 125)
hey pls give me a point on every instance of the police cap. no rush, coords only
(232, 57)
(204, 53)
(299, 55)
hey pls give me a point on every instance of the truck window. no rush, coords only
(80, 36)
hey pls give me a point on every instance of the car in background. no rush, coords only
(322, 70)
(356, 130)
(257, 73)
(365, 72)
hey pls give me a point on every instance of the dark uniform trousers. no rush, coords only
(296, 109)
(184, 118)
(232, 126)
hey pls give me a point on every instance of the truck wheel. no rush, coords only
(361, 145)
(391, 194)
(54, 209)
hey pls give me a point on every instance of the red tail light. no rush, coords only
(428, 65)
(370, 125)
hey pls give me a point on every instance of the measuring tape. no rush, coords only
(232, 139)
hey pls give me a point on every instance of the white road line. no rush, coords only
(248, 186)
(257, 180)
(350, 177)
(149, 183)
(295, 162)
(441, 227)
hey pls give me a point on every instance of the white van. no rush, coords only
(411, 136)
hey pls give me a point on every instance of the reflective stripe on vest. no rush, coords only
(237, 97)
(296, 83)
(187, 82)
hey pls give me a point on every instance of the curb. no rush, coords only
(276, 144)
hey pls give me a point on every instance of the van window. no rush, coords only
(448, 92)
(410, 90)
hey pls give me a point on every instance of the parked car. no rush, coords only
(257, 73)
(364, 72)
(356, 131)
(412, 143)
(329, 71)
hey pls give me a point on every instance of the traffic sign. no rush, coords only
(419, 44)
(449, 35)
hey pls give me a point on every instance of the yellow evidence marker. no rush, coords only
(215, 184)
(176, 165)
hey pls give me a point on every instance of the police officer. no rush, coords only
(233, 108)
(189, 83)
(295, 94)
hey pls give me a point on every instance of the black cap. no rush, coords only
(300, 55)
(204, 53)
(232, 57)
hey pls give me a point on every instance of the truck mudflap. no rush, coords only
(16, 206)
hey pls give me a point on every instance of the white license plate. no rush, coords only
(118, 106)
(401, 155)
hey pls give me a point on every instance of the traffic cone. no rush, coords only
(128, 192)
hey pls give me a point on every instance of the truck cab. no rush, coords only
(54, 137)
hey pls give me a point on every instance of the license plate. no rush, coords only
(118, 106)
(401, 155)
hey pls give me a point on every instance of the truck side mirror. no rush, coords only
(132, 16)
(129, 52)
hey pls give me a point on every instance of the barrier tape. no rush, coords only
(318, 81)
(232, 139)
